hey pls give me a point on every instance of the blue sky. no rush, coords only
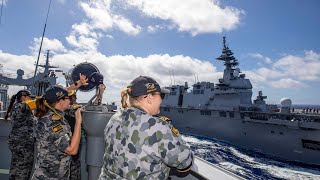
(276, 42)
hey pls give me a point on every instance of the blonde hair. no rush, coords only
(129, 101)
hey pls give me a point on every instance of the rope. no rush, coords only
(52, 109)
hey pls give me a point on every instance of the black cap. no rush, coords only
(96, 79)
(55, 93)
(24, 92)
(143, 85)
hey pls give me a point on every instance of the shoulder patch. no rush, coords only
(57, 128)
(55, 117)
(174, 131)
(165, 118)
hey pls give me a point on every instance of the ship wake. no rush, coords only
(249, 164)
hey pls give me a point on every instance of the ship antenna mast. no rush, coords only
(44, 30)
(1, 11)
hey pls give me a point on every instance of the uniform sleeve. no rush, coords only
(60, 135)
(174, 151)
(19, 110)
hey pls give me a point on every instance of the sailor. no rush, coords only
(21, 138)
(139, 144)
(55, 141)
(75, 164)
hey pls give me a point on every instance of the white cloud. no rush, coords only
(83, 29)
(98, 13)
(159, 27)
(287, 83)
(305, 67)
(83, 43)
(11, 63)
(287, 72)
(109, 36)
(102, 18)
(266, 60)
(195, 16)
(99, 20)
(120, 70)
(53, 45)
(126, 25)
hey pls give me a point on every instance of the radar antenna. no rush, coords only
(44, 30)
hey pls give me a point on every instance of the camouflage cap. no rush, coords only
(55, 93)
(143, 85)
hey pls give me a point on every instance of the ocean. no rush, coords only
(249, 164)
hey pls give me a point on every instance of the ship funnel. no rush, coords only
(95, 116)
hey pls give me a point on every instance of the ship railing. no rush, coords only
(204, 170)
(201, 169)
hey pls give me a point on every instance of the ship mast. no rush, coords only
(44, 30)
(227, 56)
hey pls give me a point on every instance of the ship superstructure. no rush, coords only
(226, 112)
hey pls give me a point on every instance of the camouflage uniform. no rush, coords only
(141, 146)
(21, 141)
(75, 164)
(53, 137)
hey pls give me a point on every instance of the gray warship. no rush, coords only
(225, 111)
(95, 118)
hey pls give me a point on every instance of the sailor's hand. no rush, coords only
(76, 106)
(83, 80)
(78, 116)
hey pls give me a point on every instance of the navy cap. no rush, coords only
(95, 79)
(24, 92)
(143, 85)
(55, 93)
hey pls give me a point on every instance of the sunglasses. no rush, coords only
(162, 95)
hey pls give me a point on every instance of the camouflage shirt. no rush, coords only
(53, 137)
(141, 146)
(22, 123)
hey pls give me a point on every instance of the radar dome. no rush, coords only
(285, 102)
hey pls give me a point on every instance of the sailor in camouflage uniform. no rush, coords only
(75, 164)
(21, 138)
(139, 144)
(55, 141)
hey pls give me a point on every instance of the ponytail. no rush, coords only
(129, 101)
(12, 100)
(41, 109)
(124, 98)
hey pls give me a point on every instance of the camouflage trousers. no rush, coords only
(21, 160)
(75, 166)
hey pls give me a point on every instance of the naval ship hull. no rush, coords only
(287, 140)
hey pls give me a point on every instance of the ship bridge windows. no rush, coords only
(231, 114)
(310, 144)
(205, 112)
(222, 114)
(198, 91)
